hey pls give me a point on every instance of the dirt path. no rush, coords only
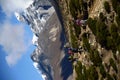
(97, 8)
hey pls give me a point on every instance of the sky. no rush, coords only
(15, 44)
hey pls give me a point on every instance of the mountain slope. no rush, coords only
(49, 57)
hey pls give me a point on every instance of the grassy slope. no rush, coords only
(109, 67)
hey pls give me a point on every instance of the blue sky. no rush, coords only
(15, 46)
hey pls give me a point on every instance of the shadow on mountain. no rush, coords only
(66, 68)
(66, 65)
(43, 65)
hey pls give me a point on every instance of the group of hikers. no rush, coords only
(71, 51)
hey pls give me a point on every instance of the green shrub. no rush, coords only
(102, 71)
(102, 17)
(92, 25)
(118, 21)
(114, 5)
(73, 10)
(101, 33)
(109, 77)
(112, 63)
(110, 43)
(114, 33)
(115, 76)
(78, 68)
(93, 74)
(107, 7)
(95, 57)
(77, 30)
(118, 11)
(73, 38)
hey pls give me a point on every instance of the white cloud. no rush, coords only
(10, 6)
(12, 38)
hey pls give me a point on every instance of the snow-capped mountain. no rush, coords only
(48, 37)
(36, 15)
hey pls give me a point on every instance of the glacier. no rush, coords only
(49, 57)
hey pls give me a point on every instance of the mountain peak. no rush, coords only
(48, 38)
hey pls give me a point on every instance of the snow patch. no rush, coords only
(44, 77)
(35, 40)
(35, 64)
(19, 17)
(53, 33)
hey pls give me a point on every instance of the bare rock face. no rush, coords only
(49, 57)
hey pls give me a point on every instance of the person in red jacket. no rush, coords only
(70, 51)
